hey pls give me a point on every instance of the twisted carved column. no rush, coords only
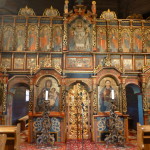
(123, 92)
(4, 98)
(31, 95)
(145, 101)
(63, 103)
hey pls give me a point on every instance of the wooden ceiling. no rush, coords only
(123, 8)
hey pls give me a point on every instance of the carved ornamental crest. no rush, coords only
(108, 15)
(26, 11)
(51, 12)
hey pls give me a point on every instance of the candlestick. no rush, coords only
(112, 94)
(46, 95)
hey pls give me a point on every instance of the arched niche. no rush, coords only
(47, 83)
(108, 93)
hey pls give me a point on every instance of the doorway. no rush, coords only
(78, 112)
(134, 105)
(20, 102)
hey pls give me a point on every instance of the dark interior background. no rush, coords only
(123, 8)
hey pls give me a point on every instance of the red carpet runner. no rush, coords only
(78, 145)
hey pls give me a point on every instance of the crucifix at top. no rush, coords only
(79, 2)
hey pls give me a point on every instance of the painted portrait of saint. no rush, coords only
(45, 38)
(20, 38)
(57, 38)
(79, 36)
(101, 40)
(125, 41)
(137, 40)
(127, 64)
(48, 84)
(114, 40)
(8, 39)
(147, 41)
(107, 94)
(32, 38)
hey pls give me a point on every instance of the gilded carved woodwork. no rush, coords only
(145, 101)
(4, 99)
(51, 12)
(95, 101)
(108, 15)
(26, 11)
(78, 112)
(124, 101)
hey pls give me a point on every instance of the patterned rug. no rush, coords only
(78, 145)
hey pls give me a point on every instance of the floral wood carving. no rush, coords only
(26, 11)
(51, 12)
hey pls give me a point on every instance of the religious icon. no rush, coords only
(8, 39)
(101, 40)
(50, 85)
(147, 41)
(125, 41)
(20, 38)
(115, 63)
(139, 63)
(45, 38)
(57, 38)
(114, 40)
(79, 36)
(31, 63)
(56, 61)
(107, 94)
(79, 62)
(137, 40)
(18, 63)
(6, 62)
(32, 38)
(127, 64)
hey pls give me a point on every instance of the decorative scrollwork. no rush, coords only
(55, 124)
(101, 124)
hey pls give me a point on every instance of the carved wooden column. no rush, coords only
(94, 109)
(94, 37)
(31, 100)
(65, 35)
(63, 95)
(123, 92)
(4, 79)
(108, 35)
(145, 102)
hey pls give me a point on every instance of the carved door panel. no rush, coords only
(78, 113)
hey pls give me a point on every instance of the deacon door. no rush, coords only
(78, 116)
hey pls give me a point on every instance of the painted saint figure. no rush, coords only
(79, 36)
(53, 97)
(107, 96)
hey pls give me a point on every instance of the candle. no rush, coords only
(112, 94)
(46, 95)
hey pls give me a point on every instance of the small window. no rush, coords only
(27, 95)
